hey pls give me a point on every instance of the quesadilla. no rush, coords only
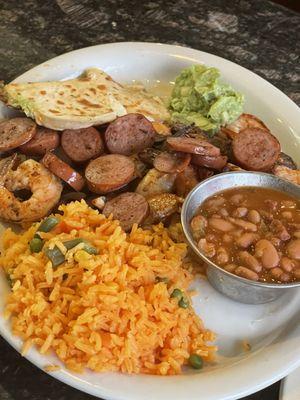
(93, 98)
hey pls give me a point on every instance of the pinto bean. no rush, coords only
(215, 203)
(293, 249)
(207, 248)
(265, 250)
(240, 212)
(198, 225)
(220, 224)
(287, 264)
(236, 199)
(230, 267)
(254, 217)
(250, 261)
(246, 273)
(247, 226)
(246, 239)
(276, 272)
(222, 256)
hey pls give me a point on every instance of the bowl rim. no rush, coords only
(185, 222)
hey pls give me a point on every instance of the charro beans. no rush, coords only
(251, 232)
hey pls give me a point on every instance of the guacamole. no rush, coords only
(199, 97)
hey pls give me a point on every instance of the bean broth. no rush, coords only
(251, 232)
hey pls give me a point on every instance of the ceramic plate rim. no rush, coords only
(242, 388)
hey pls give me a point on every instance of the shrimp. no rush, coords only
(292, 175)
(45, 187)
(244, 121)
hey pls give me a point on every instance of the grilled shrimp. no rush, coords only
(244, 121)
(45, 187)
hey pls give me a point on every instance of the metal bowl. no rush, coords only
(233, 286)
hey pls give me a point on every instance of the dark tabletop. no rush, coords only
(259, 35)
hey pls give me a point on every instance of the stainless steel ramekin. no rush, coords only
(233, 286)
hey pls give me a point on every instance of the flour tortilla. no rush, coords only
(94, 98)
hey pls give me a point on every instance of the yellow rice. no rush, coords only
(106, 312)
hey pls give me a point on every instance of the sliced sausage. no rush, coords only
(217, 163)
(44, 140)
(63, 171)
(256, 149)
(171, 162)
(129, 134)
(129, 208)
(82, 144)
(109, 172)
(193, 146)
(244, 121)
(15, 132)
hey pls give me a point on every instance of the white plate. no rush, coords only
(290, 387)
(271, 329)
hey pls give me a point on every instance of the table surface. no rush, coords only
(258, 35)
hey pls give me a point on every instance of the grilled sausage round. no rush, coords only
(129, 208)
(193, 146)
(63, 171)
(171, 162)
(44, 140)
(217, 163)
(256, 149)
(109, 172)
(129, 134)
(15, 132)
(81, 145)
